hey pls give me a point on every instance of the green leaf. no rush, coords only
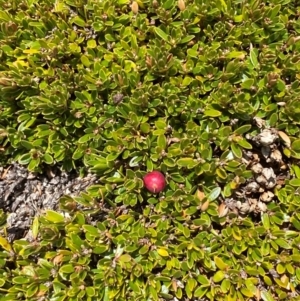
(246, 292)
(186, 81)
(125, 258)
(266, 221)
(134, 43)
(212, 113)
(145, 128)
(219, 276)
(21, 280)
(25, 159)
(67, 269)
(266, 296)
(160, 124)
(5, 16)
(78, 21)
(220, 263)
(280, 269)
(248, 83)
(214, 194)
(253, 57)
(236, 150)
(90, 291)
(27, 144)
(54, 217)
(162, 141)
(167, 4)
(244, 144)
(144, 249)
(91, 230)
(2, 282)
(235, 54)
(78, 154)
(48, 159)
(250, 284)
(35, 228)
(191, 284)
(33, 164)
(225, 285)
(85, 61)
(274, 11)
(220, 172)
(187, 39)
(222, 5)
(243, 129)
(282, 243)
(98, 166)
(91, 44)
(5, 244)
(185, 162)
(295, 222)
(296, 145)
(295, 182)
(85, 138)
(161, 34)
(280, 85)
(100, 249)
(200, 292)
(203, 280)
(268, 280)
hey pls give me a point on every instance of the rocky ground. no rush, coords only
(23, 194)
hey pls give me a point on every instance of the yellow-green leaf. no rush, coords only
(125, 258)
(266, 296)
(91, 44)
(219, 276)
(54, 217)
(200, 292)
(35, 228)
(78, 21)
(212, 113)
(163, 252)
(5, 244)
(220, 263)
(246, 292)
(85, 61)
(225, 286)
(236, 233)
(31, 51)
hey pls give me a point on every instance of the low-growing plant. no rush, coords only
(206, 92)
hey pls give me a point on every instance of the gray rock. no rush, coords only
(23, 195)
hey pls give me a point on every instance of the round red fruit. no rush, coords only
(155, 181)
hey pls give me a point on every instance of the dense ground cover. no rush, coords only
(207, 92)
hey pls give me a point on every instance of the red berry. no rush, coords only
(155, 181)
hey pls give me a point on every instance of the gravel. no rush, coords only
(23, 194)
